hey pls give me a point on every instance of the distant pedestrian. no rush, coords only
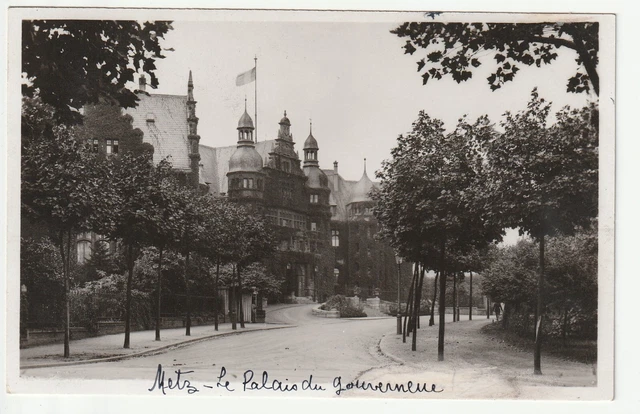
(497, 308)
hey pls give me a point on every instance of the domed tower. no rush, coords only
(245, 176)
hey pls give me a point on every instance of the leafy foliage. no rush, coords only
(430, 191)
(106, 122)
(41, 273)
(543, 180)
(456, 48)
(571, 284)
(104, 299)
(70, 63)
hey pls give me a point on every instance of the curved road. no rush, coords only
(322, 347)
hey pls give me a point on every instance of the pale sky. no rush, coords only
(352, 79)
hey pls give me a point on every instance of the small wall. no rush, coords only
(316, 311)
(373, 303)
(37, 337)
(465, 310)
(51, 336)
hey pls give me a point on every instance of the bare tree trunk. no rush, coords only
(539, 310)
(443, 288)
(470, 295)
(455, 295)
(240, 295)
(127, 310)
(407, 309)
(159, 288)
(232, 301)
(64, 254)
(417, 308)
(564, 326)
(433, 303)
(215, 295)
(186, 283)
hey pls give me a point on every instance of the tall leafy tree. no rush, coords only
(455, 48)
(544, 180)
(133, 211)
(196, 213)
(166, 194)
(429, 197)
(70, 63)
(61, 185)
(252, 243)
(221, 230)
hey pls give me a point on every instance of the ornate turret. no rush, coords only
(316, 178)
(283, 157)
(245, 176)
(245, 158)
(193, 137)
(310, 149)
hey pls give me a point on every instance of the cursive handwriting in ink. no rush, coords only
(248, 384)
(179, 383)
(308, 385)
(226, 384)
(383, 388)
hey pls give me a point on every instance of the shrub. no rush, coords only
(104, 299)
(425, 308)
(344, 306)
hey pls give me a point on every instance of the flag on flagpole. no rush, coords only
(246, 77)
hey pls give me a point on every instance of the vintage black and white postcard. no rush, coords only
(348, 205)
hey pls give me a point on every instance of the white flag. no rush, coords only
(246, 77)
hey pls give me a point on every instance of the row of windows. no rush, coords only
(246, 183)
(286, 219)
(112, 146)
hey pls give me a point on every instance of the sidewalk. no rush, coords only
(109, 347)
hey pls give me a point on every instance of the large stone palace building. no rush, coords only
(324, 224)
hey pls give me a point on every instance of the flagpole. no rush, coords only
(255, 59)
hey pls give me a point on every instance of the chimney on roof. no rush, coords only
(142, 83)
(336, 177)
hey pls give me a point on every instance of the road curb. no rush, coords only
(150, 351)
(388, 354)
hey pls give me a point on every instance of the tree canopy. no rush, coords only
(455, 49)
(70, 63)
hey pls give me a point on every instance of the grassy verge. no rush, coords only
(580, 350)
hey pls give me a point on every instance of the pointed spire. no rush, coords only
(245, 103)
(365, 165)
(310, 127)
(190, 87)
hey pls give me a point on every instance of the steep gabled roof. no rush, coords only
(163, 120)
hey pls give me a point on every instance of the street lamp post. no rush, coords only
(398, 315)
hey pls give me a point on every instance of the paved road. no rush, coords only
(324, 348)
